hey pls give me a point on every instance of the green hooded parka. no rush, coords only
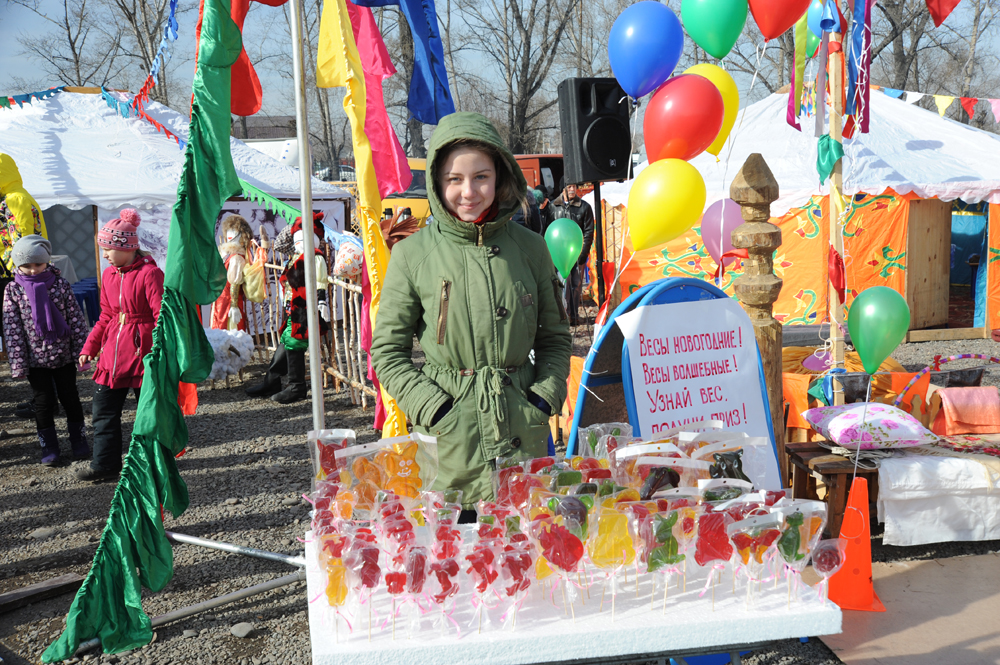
(479, 298)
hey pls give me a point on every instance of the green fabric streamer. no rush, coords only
(4, 102)
(251, 193)
(801, 36)
(828, 153)
(134, 551)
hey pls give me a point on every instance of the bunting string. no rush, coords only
(944, 102)
(8, 101)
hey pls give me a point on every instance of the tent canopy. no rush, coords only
(74, 150)
(908, 150)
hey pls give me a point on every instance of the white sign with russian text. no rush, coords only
(698, 360)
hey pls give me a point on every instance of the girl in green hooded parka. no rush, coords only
(480, 294)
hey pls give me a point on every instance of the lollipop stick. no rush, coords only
(369, 618)
(666, 588)
(580, 582)
(614, 594)
(480, 619)
(604, 587)
(713, 597)
(572, 609)
(637, 581)
(652, 593)
(563, 587)
(394, 618)
(685, 575)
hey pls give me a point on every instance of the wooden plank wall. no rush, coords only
(928, 262)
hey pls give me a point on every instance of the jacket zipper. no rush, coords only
(479, 234)
(443, 310)
(121, 324)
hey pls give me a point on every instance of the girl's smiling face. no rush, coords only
(468, 183)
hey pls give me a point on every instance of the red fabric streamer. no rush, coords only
(969, 104)
(720, 270)
(837, 273)
(187, 398)
(940, 9)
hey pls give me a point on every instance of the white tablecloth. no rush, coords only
(65, 266)
(937, 499)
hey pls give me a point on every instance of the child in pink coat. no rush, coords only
(131, 289)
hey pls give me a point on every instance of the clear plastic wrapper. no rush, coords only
(556, 541)
(723, 489)
(712, 544)
(402, 465)
(323, 446)
(828, 557)
(801, 527)
(589, 438)
(610, 545)
(519, 489)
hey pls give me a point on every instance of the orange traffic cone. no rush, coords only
(851, 587)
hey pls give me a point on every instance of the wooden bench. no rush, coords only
(810, 463)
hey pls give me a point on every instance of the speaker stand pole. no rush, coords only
(599, 243)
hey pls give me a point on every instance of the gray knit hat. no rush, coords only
(31, 249)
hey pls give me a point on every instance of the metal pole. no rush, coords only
(599, 243)
(237, 549)
(191, 610)
(308, 246)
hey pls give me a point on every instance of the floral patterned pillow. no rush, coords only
(883, 426)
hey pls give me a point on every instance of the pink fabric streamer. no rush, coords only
(388, 158)
(995, 105)
(366, 343)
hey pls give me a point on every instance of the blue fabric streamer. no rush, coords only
(430, 97)
(892, 92)
(860, 33)
(828, 380)
(21, 100)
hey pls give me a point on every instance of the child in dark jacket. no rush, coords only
(131, 290)
(44, 331)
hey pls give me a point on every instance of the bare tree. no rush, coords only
(521, 40)
(74, 52)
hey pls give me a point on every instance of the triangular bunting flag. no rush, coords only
(995, 105)
(914, 97)
(943, 102)
(940, 9)
(892, 92)
(969, 104)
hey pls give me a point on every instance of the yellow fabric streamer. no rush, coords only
(943, 102)
(339, 65)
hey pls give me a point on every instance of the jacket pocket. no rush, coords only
(557, 290)
(442, 322)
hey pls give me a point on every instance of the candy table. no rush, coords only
(546, 633)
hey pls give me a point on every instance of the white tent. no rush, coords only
(907, 149)
(74, 150)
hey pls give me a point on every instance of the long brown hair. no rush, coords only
(506, 194)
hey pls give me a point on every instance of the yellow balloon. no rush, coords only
(666, 199)
(730, 100)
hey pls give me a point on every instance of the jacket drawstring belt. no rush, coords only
(489, 389)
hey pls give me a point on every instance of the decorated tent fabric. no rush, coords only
(874, 242)
(134, 551)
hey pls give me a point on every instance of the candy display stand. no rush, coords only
(545, 633)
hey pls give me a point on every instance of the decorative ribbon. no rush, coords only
(859, 65)
(828, 153)
(264, 199)
(798, 71)
(938, 361)
(835, 268)
(7, 101)
(720, 270)
(711, 576)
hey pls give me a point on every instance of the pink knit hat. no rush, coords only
(121, 233)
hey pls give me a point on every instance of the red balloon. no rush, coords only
(775, 16)
(683, 118)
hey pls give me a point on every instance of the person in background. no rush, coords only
(44, 331)
(481, 294)
(131, 291)
(571, 206)
(529, 216)
(544, 208)
(20, 215)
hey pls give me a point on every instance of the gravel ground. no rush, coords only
(246, 467)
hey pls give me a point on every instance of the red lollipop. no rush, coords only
(683, 118)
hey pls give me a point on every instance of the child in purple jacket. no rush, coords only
(44, 331)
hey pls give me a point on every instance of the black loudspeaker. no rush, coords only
(597, 143)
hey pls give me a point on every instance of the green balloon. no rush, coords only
(812, 44)
(878, 321)
(714, 25)
(565, 241)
